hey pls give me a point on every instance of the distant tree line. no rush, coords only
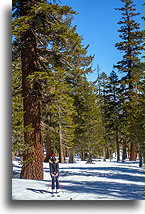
(54, 106)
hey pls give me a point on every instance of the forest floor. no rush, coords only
(101, 180)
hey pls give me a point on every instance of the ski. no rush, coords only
(53, 195)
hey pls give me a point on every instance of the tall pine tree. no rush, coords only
(131, 66)
(42, 35)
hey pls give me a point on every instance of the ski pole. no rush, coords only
(48, 185)
(61, 187)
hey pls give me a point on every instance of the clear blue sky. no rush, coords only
(97, 23)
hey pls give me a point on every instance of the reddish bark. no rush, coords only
(48, 148)
(33, 154)
(133, 152)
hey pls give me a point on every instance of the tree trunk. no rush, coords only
(71, 160)
(117, 147)
(140, 159)
(104, 154)
(48, 149)
(129, 148)
(13, 156)
(82, 154)
(133, 152)
(61, 146)
(33, 155)
(124, 153)
(90, 158)
(61, 154)
(107, 152)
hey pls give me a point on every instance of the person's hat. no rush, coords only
(53, 157)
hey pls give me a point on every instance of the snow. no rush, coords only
(102, 180)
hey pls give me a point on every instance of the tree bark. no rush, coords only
(13, 156)
(133, 152)
(140, 159)
(117, 147)
(89, 158)
(124, 154)
(82, 154)
(107, 152)
(104, 154)
(61, 146)
(48, 149)
(33, 156)
(71, 160)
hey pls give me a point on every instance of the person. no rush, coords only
(54, 172)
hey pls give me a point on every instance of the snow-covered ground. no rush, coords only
(80, 181)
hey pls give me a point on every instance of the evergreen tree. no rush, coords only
(114, 111)
(88, 131)
(42, 36)
(103, 81)
(71, 63)
(131, 66)
(62, 112)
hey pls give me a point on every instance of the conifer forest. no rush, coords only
(55, 108)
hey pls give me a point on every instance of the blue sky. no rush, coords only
(97, 23)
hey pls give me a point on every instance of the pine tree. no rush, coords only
(71, 62)
(114, 111)
(103, 81)
(62, 111)
(131, 66)
(33, 158)
(36, 26)
(88, 130)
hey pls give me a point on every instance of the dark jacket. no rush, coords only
(54, 166)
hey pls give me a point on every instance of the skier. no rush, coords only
(54, 172)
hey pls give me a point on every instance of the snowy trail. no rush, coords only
(81, 181)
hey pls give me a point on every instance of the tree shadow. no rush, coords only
(116, 173)
(103, 189)
(124, 177)
(16, 172)
(38, 190)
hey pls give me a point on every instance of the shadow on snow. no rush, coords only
(115, 173)
(103, 189)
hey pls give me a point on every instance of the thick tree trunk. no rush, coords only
(104, 154)
(71, 160)
(82, 154)
(48, 149)
(90, 154)
(133, 152)
(33, 153)
(89, 158)
(61, 154)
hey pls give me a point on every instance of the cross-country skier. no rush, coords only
(54, 172)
